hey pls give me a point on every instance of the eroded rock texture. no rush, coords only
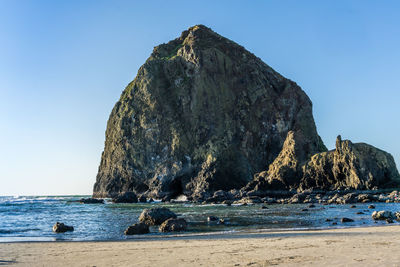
(351, 166)
(204, 114)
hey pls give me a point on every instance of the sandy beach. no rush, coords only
(369, 246)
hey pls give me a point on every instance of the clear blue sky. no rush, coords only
(64, 64)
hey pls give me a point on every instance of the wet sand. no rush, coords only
(368, 246)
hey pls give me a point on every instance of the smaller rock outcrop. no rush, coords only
(285, 171)
(62, 228)
(137, 229)
(91, 201)
(127, 197)
(350, 166)
(156, 216)
(173, 225)
(383, 215)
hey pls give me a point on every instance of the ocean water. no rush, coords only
(26, 218)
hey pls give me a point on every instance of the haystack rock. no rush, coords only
(204, 114)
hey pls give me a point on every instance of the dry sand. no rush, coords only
(370, 246)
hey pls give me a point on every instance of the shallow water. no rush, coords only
(31, 218)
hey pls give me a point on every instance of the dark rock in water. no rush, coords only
(334, 223)
(62, 228)
(142, 199)
(328, 220)
(137, 229)
(91, 201)
(264, 207)
(389, 220)
(304, 210)
(156, 216)
(383, 215)
(344, 220)
(203, 114)
(371, 207)
(126, 197)
(311, 206)
(360, 212)
(173, 225)
(212, 218)
(353, 206)
(222, 221)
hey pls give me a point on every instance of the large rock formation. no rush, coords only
(202, 114)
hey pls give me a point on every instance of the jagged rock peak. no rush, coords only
(202, 114)
(351, 166)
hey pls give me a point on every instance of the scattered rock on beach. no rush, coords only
(156, 216)
(127, 197)
(137, 229)
(91, 201)
(62, 228)
(173, 225)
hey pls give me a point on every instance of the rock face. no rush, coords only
(350, 166)
(156, 216)
(285, 172)
(204, 114)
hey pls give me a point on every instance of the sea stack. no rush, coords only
(204, 114)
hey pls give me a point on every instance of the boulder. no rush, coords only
(371, 207)
(91, 201)
(62, 228)
(156, 216)
(126, 197)
(173, 225)
(137, 229)
(345, 220)
(383, 215)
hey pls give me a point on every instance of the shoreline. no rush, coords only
(231, 234)
(354, 246)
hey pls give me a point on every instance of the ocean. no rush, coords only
(30, 218)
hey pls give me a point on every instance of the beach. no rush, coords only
(367, 246)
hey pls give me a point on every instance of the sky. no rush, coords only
(64, 64)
